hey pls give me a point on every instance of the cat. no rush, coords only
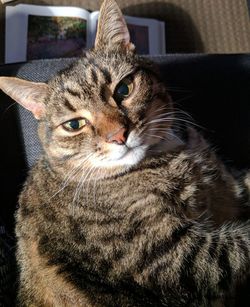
(124, 207)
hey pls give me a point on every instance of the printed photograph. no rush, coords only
(53, 36)
(140, 37)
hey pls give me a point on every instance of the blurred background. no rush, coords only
(191, 26)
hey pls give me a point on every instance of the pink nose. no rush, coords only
(117, 137)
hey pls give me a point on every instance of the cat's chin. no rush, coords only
(121, 161)
(131, 158)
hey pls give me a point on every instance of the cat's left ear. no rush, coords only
(28, 94)
(112, 28)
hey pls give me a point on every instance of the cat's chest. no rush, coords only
(86, 210)
(96, 221)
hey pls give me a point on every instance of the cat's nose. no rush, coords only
(118, 137)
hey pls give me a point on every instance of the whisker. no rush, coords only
(156, 136)
(158, 121)
(165, 107)
(82, 162)
(88, 185)
(174, 112)
(187, 121)
(78, 187)
(94, 187)
(81, 184)
(178, 113)
(166, 130)
(7, 109)
(72, 174)
(172, 135)
(173, 119)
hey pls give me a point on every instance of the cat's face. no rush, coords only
(104, 114)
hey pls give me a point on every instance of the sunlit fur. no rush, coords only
(150, 217)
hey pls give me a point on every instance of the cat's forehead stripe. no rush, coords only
(97, 71)
(74, 92)
(68, 105)
(93, 75)
(103, 93)
(72, 87)
(107, 75)
(109, 68)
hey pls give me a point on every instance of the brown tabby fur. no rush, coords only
(154, 232)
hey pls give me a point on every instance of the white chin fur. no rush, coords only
(129, 158)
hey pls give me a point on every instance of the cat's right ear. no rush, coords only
(112, 29)
(28, 94)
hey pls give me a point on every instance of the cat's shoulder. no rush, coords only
(40, 177)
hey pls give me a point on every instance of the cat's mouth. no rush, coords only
(122, 157)
(126, 155)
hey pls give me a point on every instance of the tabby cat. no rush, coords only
(124, 207)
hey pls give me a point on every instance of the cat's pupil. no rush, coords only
(74, 124)
(123, 90)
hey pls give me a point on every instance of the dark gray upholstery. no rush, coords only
(214, 89)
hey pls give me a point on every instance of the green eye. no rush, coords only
(123, 89)
(74, 124)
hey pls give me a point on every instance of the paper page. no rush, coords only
(93, 19)
(145, 34)
(63, 34)
(148, 35)
(6, 1)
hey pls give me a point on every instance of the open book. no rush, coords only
(5, 1)
(35, 32)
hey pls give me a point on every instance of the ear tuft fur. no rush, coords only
(112, 28)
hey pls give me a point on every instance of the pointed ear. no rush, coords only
(112, 28)
(28, 94)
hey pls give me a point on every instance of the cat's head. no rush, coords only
(105, 113)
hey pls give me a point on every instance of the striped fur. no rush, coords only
(157, 221)
(127, 241)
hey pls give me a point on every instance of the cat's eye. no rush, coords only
(123, 89)
(74, 124)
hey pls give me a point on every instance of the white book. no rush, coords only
(35, 31)
(6, 1)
